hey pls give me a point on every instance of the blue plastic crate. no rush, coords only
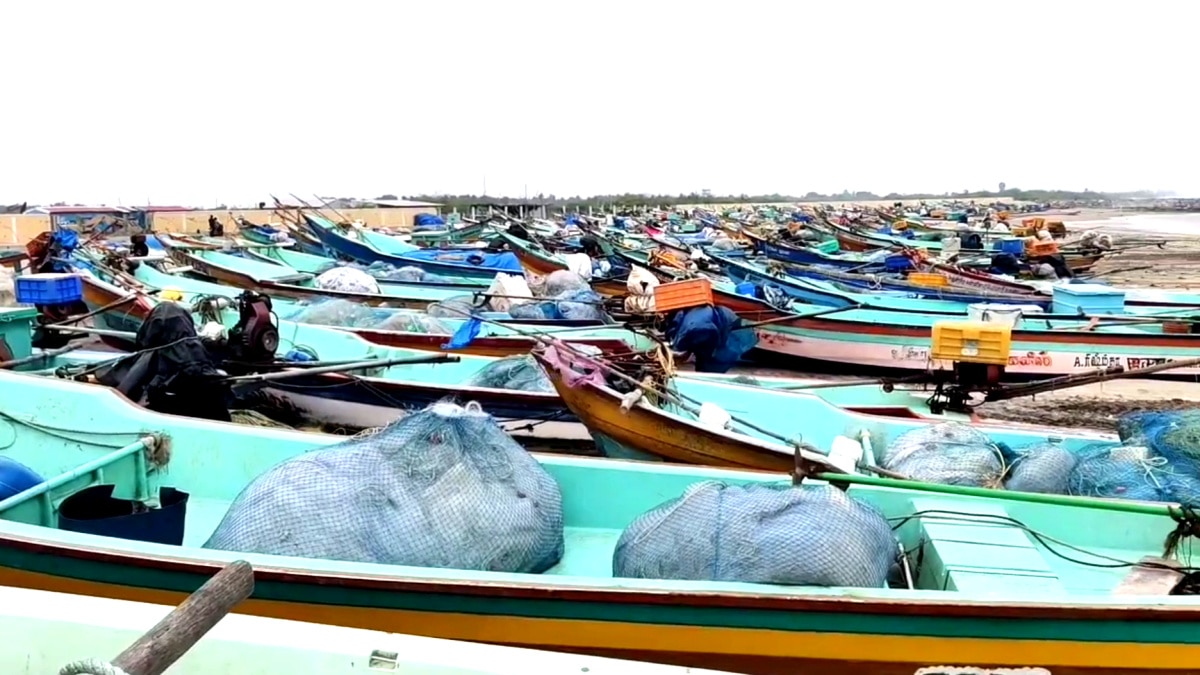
(49, 289)
(1013, 245)
(897, 263)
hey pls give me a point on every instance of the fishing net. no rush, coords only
(582, 304)
(802, 536)
(1119, 472)
(1172, 442)
(951, 453)
(522, 373)
(1042, 467)
(414, 322)
(443, 487)
(348, 280)
(562, 281)
(458, 307)
(533, 311)
(336, 313)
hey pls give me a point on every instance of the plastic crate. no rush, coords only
(16, 331)
(897, 262)
(929, 279)
(683, 294)
(49, 289)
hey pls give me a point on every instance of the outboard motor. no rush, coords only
(255, 337)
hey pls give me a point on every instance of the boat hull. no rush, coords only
(862, 642)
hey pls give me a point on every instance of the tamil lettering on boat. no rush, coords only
(910, 354)
(1135, 362)
(1031, 359)
(1097, 360)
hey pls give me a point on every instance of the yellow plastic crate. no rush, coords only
(972, 342)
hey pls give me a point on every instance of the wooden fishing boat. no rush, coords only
(44, 631)
(470, 264)
(539, 261)
(667, 431)
(982, 593)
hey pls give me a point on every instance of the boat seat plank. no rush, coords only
(1151, 576)
(980, 556)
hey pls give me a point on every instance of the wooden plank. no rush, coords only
(1151, 576)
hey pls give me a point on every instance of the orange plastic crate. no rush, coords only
(1038, 248)
(928, 279)
(683, 294)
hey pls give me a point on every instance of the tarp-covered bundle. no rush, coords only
(444, 487)
(713, 335)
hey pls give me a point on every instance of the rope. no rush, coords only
(91, 667)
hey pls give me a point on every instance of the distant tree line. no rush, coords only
(632, 200)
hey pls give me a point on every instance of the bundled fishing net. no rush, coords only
(951, 453)
(1044, 467)
(458, 307)
(522, 373)
(803, 536)
(1172, 442)
(562, 281)
(414, 322)
(443, 487)
(336, 312)
(348, 280)
(579, 305)
(582, 304)
(1119, 472)
(8, 293)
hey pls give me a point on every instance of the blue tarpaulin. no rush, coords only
(502, 262)
(428, 221)
(712, 335)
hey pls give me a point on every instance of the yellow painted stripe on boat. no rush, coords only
(700, 640)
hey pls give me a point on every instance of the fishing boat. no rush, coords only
(363, 246)
(768, 422)
(882, 340)
(984, 586)
(498, 337)
(45, 631)
(373, 397)
(276, 280)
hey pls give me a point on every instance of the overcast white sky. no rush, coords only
(218, 101)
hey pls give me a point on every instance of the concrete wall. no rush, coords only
(20, 229)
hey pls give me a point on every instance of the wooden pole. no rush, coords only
(162, 645)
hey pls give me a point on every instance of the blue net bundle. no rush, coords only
(1120, 472)
(577, 305)
(768, 534)
(1172, 441)
(522, 373)
(1046, 468)
(563, 281)
(951, 453)
(443, 487)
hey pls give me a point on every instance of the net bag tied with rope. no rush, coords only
(771, 534)
(443, 487)
(1042, 467)
(521, 373)
(951, 453)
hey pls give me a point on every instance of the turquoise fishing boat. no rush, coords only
(278, 280)
(987, 582)
(370, 398)
(500, 336)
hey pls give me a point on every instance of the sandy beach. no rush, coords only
(1174, 265)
